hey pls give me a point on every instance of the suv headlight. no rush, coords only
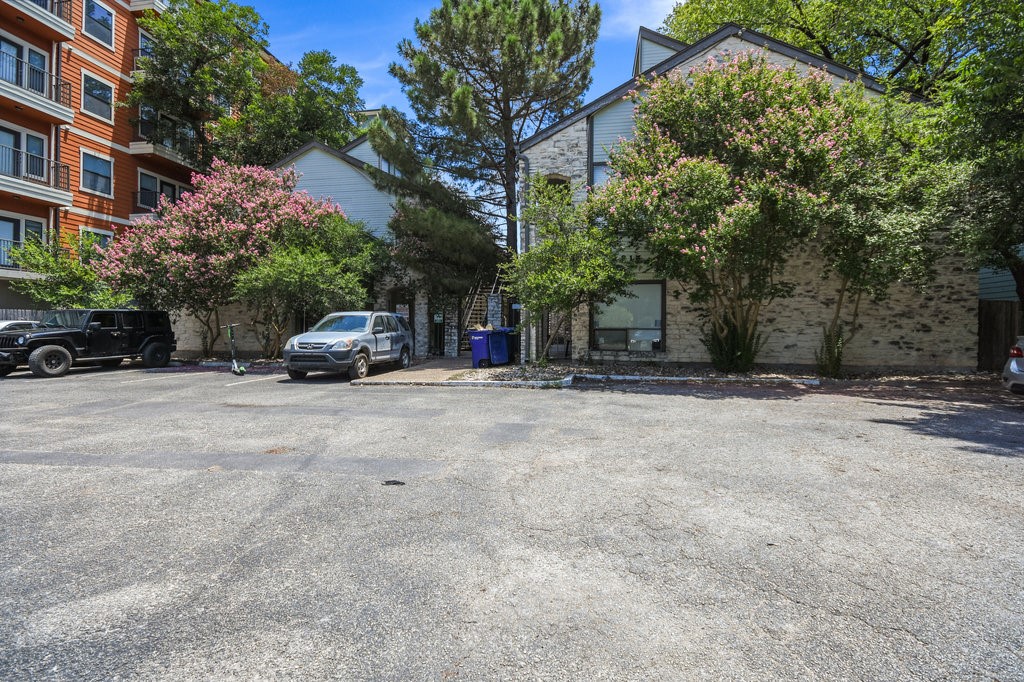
(290, 343)
(344, 344)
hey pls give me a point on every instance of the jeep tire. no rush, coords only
(49, 361)
(156, 355)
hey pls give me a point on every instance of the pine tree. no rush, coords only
(483, 75)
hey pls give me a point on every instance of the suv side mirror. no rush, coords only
(378, 327)
(95, 326)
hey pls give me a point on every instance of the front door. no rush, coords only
(35, 158)
(10, 153)
(10, 235)
(10, 61)
(37, 72)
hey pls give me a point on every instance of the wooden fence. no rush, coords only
(20, 314)
(999, 325)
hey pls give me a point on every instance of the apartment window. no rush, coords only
(601, 172)
(34, 230)
(97, 174)
(97, 97)
(91, 237)
(99, 23)
(149, 190)
(632, 324)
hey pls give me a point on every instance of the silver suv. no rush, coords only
(350, 342)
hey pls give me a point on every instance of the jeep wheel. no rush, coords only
(405, 358)
(296, 374)
(50, 361)
(156, 355)
(111, 363)
(360, 367)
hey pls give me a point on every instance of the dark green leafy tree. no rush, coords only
(890, 211)
(318, 100)
(728, 173)
(984, 124)
(204, 60)
(440, 234)
(68, 280)
(482, 75)
(575, 262)
(309, 271)
(915, 43)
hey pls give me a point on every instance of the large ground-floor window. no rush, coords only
(635, 323)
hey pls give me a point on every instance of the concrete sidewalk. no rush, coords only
(430, 370)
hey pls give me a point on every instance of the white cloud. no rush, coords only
(623, 18)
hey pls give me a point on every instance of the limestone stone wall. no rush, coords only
(564, 155)
(188, 332)
(933, 329)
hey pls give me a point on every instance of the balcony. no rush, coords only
(50, 19)
(23, 85)
(34, 178)
(140, 6)
(9, 269)
(177, 146)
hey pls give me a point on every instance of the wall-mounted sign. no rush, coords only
(438, 318)
(402, 309)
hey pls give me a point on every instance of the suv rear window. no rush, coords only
(403, 323)
(157, 320)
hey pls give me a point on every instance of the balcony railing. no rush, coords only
(33, 79)
(8, 262)
(58, 8)
(15, 163)
(179, 140)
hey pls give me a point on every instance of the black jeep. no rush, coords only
(103, 337)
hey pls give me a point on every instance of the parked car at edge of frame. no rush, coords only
(17, 325)
(1013, 370)
(350, 342)
(64, 338)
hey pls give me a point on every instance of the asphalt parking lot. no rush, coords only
(196, 525)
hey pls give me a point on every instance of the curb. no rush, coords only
(569, 380)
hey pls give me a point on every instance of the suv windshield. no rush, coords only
(63, 318)
(342, 323)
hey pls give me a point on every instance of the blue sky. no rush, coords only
(365, 33)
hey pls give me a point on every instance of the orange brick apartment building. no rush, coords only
(71, 162)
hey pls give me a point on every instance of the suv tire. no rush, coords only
(50, 361)
(360, 366)
(405, 358)
(296, 374)
(156, 355)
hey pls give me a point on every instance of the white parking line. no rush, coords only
(135, 381)
(249, 381)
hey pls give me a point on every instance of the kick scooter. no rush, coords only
(236, 369)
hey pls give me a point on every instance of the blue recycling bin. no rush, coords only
(489, 346)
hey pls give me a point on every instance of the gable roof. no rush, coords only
(341, 154)
(726, 31)
(656, 38)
